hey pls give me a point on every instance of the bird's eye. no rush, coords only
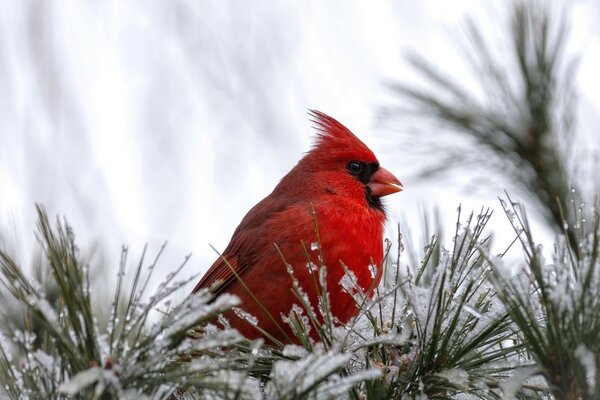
(355, 167)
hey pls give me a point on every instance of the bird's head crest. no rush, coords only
(335, 141)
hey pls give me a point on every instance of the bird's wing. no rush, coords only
(247, 248)
(247, 241)
(253, 243)
(221, 270)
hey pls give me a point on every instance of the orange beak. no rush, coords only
(383, 182)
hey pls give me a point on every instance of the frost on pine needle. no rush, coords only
(215, 340)
(246, 316)
(43, 306)
(388, 339)
(588, 360)
(459, 325)
(556, 306)
(395, 347)
(99, 377)
(451, 314)
(455, 376)
(312, 267)
(294, 351)
(512, 386)
(195, 308)
(70, 354)
(314, 376)
(440, 332)
(298, 321)
(223, 385)
(373, 270)
(349, 284)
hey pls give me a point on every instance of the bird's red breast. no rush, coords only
(341, 181)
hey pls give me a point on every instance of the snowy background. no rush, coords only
(150, 121)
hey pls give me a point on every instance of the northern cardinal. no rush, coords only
(341, 182)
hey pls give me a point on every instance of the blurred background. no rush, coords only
(153, 121)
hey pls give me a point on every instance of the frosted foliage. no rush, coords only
(588, 360)
(419, 299)
(134, 394)
(323, 277)
(299, 292)
(44, 308)
(6, 347)
(565, 287)
(338, 387)
(194, 309)
(104, 346)
(312, 267)
(227, 384)
(392, 339)
(315, 373)
(214, 340)
(360, 334)
(512, 385)
(246, 316)
(45, 361)
(444, 329)
(86, 378)
(563, 281)
(456, 377)
(373, 270)
(348, 282)
(294, 351)
(146, 360)
(454, 275)
(559, 292)
(297, 315)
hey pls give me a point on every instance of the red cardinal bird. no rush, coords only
(342, 181)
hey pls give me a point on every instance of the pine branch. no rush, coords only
(460, 328)
(73, 358)
(456, 325)
(522, 127)
(556, 306)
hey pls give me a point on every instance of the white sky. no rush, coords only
(151, 121)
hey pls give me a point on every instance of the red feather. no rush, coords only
(350, 226)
